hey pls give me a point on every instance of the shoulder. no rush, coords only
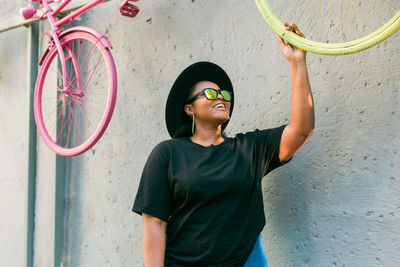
(163, 150)
(249, 135)
(260, 134)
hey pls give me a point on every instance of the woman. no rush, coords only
(200, 193)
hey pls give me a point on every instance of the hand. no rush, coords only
(292, 54)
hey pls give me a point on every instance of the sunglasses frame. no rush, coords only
(219, 91)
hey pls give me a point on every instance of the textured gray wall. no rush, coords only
(335, 204)
(13, 137)
(13, 141)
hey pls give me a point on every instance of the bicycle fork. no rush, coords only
(55, 40)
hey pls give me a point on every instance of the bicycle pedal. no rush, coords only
(128, 9)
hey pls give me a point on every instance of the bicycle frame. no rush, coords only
(71, 118)
(56, 32)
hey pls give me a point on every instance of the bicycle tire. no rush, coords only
(85, 109)
(325, 47)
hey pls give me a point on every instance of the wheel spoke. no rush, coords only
(341, 21)
(104, 78)
(75, 114)
(88, 105)
(317, 20)
(53, 125)
(70, 119)
(63, 124)
(290, 10)
(84, 62)
(302, 11)
(279, 4)
(391, 7)
(354, 21)
(330, 21)
(375, 12)
(86, 118)
(359, 13)
(311, 20)
(92, 72)
(51, 113)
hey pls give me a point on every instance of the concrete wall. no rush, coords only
(335, 204)
(13, 142)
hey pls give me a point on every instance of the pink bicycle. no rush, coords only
(76, 87)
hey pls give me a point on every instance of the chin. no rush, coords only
(221, 120)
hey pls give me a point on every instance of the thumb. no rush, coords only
(281, 41)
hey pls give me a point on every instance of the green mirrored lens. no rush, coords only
(211, 94)
(226, 95)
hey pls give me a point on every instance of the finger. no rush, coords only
(300, 33)
(294, 26)
(281, 41)
(296, 30)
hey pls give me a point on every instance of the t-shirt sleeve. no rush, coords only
(268, 141)
(153, 196)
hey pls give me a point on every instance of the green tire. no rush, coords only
(354, 46)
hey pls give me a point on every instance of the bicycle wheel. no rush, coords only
(333, 27)
(72, 118)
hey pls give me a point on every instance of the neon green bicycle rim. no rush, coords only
(340, 48)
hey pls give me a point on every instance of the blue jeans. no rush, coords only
(257, 256)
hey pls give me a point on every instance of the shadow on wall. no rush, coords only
(288, 230)
(73, 212)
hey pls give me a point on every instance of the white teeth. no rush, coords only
(220, 106)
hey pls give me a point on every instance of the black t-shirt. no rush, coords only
(210, 197)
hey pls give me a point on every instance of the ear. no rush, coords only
(188, 110)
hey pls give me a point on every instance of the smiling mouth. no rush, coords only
(220, 106)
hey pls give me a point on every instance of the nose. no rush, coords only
(219, 96)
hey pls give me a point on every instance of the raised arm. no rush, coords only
(153, 241)
(301, 124)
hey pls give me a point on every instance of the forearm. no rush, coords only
(301, 124)
(302, 113)
(154, 244)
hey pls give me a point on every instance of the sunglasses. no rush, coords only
(211, 94)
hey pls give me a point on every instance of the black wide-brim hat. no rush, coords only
(175, 115)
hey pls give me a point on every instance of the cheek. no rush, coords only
(205, 109)
(201, 108)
